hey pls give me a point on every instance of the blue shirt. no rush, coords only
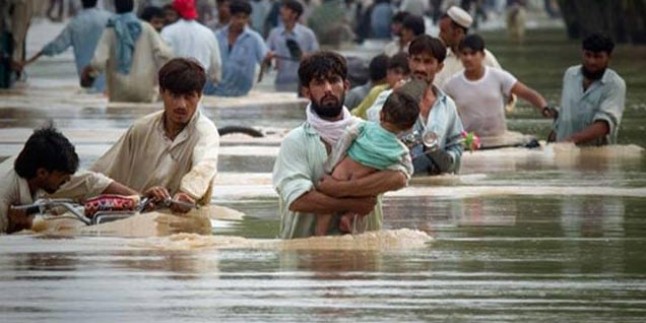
(82, 33)
(444, 121)
(287, 76)
(238, 62)
(603, 100)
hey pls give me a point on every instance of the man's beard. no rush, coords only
(592, 76)
(422, 77)
(329, 109)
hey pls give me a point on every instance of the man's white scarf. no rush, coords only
(330, 131)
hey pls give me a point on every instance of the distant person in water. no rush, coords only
(242, 49)
(82, 33)
(130, 52)
(593, 97)
(479, 91)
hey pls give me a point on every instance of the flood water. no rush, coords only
(556, 234)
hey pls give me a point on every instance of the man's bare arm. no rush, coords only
(595, 130)
(119, 189)
(319, 203)
(371, 185)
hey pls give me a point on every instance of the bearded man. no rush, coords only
(298, 177)
(593, 97)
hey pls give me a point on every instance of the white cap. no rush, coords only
(460, 17)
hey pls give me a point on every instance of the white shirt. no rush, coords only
(188, 38)
(481, 103)
(14, 190)
(453, 65)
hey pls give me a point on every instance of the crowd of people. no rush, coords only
(331, 171)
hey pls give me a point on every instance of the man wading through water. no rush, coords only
(298, 175)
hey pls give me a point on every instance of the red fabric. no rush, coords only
(185, 9)
(108, 202)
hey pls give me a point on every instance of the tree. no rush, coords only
(623, 20)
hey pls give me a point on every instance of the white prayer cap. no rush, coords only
(460, 17)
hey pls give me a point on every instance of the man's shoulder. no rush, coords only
(379, 90)
(304, 29)
(574, 69)
(252, 34)
(614, 77)
(205, 126)
(298, 134)
(147, 121)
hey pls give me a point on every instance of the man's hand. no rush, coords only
(17, 66)
(364, 205)
(329, 186)
(182, 197)
(157, 195)
(549, 112)
(18, 220)
(87, 76)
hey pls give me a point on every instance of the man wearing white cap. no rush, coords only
(454, 25)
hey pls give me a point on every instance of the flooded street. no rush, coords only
(556, 234)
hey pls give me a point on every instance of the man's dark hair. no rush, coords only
(239, 6)
(415, 23)
(88, 3)
(425, 44)
(473, 42)
(124, 6)
(46, 148)
(597, 43)
(151, 12)
(182, 76)
(294, 6)
(400, 61)
(399, 17)
(323, 64)
(401, 109)
(378, 67)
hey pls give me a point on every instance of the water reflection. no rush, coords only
(176, 265)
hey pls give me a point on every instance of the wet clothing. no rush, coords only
(380, 19)
(144, 157)
(239, 62)
(127, 29)
(368, 144)
(443, 120)
(298, 167)
(83, 33)
(140, 84)
(453, 65)
(287, 75)
(189, 38)
(603, 100)
(481, 103)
